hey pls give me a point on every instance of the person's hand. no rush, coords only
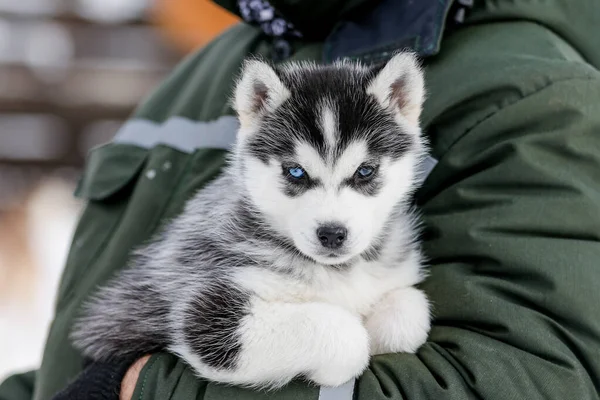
(131, 377)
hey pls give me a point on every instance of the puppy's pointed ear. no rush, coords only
(400, 86)
(258, 92)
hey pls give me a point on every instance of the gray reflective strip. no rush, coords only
(425, 168)
(344, 392)
(180, 133)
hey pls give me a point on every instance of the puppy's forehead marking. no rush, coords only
(329, 124)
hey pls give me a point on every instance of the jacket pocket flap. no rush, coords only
(109, 168)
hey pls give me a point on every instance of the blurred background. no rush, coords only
(71, 72)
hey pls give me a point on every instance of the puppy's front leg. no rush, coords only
(400, 322)
(276, 342)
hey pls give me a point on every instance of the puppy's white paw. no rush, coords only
(344, 350)
(400, 322)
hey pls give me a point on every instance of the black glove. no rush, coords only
(97, 381)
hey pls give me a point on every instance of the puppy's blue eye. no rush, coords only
(296, 172)
(365, 172)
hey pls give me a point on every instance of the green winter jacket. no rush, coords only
(511, 209)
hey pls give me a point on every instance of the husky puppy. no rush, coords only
(300, 259)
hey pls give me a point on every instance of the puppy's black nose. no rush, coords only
(332, 237)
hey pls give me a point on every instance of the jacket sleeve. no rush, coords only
(18, 387)
(167, 377)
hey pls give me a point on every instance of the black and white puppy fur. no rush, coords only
(300, 259)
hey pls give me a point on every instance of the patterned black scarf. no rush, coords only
(261, 13)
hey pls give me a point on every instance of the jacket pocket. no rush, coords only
(110, 175)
